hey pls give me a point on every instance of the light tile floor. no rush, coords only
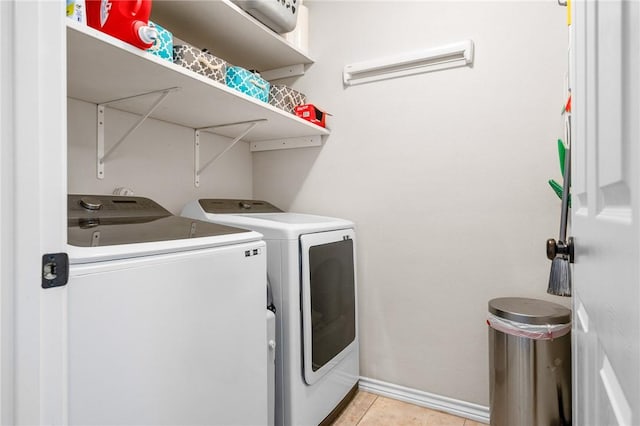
(367, 409)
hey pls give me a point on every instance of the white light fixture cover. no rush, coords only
(438, 58)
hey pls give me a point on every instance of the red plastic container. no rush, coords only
(311, 113)
(127, 20)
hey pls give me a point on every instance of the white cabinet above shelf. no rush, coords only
(102, 69)
(228, 32)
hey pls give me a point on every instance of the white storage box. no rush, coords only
(279, 15)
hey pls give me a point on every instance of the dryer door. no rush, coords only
(328, 300)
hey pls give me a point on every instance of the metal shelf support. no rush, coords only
(198, 170)
(101, 156)
(286, 143)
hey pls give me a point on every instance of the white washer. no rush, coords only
(311, 269)
(165, 317)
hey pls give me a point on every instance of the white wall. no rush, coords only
(155, 162)
(445, 175)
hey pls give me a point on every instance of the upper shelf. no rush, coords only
(228, 32)
(101, 69)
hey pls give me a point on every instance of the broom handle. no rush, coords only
(566, 185)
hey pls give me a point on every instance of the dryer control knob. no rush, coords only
(244, 205)
(90, 203)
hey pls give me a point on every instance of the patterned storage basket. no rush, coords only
(248, 83)
(201, 62)
(163, 45)
(285, 98)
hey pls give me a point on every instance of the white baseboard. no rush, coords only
(465, 409)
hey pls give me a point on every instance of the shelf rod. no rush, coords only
(135, 127)
(252, 125)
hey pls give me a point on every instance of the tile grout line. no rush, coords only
(367, 410)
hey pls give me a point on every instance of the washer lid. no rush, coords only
(105, 232)
(105, 220)
(273, 225)
(529, 311)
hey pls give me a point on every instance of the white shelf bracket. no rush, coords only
(198, 170)
(101, 156)
(286, 143)
(284, 72)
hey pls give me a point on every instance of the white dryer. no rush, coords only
(311, 270)
(165, 317)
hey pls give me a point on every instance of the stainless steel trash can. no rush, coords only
(530, 362)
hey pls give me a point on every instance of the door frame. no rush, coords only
(33, 169)
(6, 218)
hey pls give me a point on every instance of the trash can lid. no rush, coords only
(529, 311)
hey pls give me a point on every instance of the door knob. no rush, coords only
(560, 247)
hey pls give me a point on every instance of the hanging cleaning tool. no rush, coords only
(561, 252)
(557, 188)
(567, 106)
(562, 152)
(567, 4)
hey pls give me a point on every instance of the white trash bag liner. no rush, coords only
(535, 332)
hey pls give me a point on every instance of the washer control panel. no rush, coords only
(226, 205)
(112, 206)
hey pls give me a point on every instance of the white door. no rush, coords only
(606, 212)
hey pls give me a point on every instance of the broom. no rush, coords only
(560, 253)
